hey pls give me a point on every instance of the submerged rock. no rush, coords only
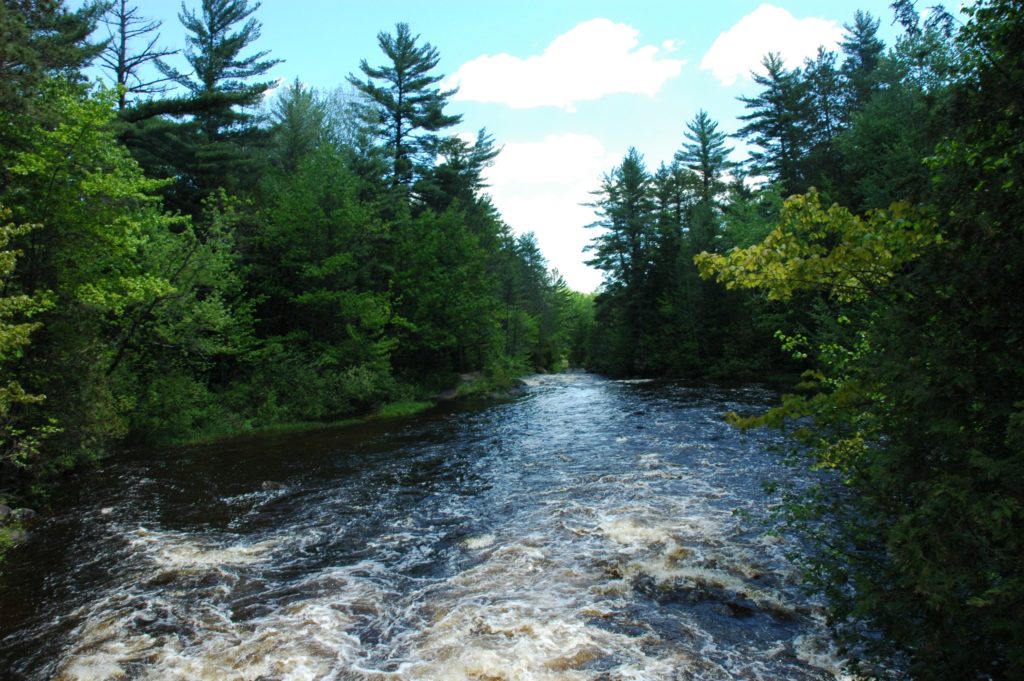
(24, 515)
(272, 485)
(446, 395)
(5, 513)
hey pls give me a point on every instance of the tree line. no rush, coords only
(874, 241)
(179, 259)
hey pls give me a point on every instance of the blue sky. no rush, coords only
(564, 86)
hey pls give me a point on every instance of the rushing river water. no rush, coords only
(584, 530)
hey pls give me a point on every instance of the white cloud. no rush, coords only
(767, 29)
(594, 59)
(540, 186)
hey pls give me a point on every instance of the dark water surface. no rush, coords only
(585, 530)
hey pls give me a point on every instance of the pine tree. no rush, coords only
(39, 40)
(219, 85)
(776, 124)
(299, 126)
(705, 155)
(626, 213)
(625, 251)
(405, 110)
(825, 99)
(862, 51)
(206, 138)
(459, 175)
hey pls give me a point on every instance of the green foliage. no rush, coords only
(776, 125)
(299, 126)
(863, 53)
(248, 289)
(213, 48)
(654, 315)
(405, 108)
(40, 40)
(915, 396)
(205, 139)
(825, 249)
(900, 307)
(579, 326)
(18, 445)
(443, 293)
(98, 220)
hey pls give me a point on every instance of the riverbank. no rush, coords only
(469, 385)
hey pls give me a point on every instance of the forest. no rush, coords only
(182, 259)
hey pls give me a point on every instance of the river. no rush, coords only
(587, 529)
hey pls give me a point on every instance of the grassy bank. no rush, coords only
(493, 383)
(390, 410)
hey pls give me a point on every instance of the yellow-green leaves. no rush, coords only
(830, 249)
(14, 335)
(15, 444)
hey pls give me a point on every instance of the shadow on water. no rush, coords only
(584, 530)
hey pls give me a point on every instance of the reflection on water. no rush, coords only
(586, 530)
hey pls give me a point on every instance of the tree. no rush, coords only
(917, 404)
(700, 312)
(705, 155)
(828, 249)
(626, 214)
(40, 40)
(124, 25)
(205, 139)
(776, 124)
(827, 119)
(299, 126)
(448, 313)
(624, 251)
(459, 174)
(110, 261)
(862, 51)
(218, 85)
(18, 443)
(404, 109)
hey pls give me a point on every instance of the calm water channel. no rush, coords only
(584, 530)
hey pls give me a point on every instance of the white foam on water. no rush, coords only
(821, 653)
(305, 640)
(176, 550)
(482, 541)
(560, 592)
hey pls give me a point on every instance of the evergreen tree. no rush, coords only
(626, 214)
(444, 296)
(705, 155)
(862, 55)
(459, 175)
(38, 41)
(775, 124)
(916, 399)
(624, 251)
(298, 127)
(405, 110)
(205, 139)
(214, 49)
(827, 118)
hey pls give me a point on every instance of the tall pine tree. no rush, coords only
(405, 109)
